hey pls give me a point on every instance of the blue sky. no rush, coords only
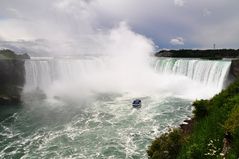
(168, 23)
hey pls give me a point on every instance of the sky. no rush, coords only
(36, 26)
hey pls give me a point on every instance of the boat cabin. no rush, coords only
(136, 103)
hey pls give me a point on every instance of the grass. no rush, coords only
(212, 118)
(10, 55)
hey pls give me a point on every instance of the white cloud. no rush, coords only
(206, 12)
(65, 26)
(77, 21)
(177, 41)
(223, 35)
(179, 2)
(13, 29)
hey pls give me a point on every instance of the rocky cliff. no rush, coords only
(12, 77)
(234, 71)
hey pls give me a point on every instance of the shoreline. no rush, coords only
(187, 125)
(203, 135)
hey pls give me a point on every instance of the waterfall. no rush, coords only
(92, 76)
(208, 72)
(42, 73)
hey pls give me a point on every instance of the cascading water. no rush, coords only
(106, 125)
(84, 77)
(42, 74)
(208, 72)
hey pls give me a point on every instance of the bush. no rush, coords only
(201, 108)
(167, 146)
(212, 119)
(194, 152)
(235, 144)
(232, 156)
(8, 54)
(232, 123)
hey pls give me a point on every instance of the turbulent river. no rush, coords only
(82, 108)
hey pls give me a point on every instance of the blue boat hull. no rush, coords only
(136, 105)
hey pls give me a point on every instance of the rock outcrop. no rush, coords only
(234, 71)
(12, 77)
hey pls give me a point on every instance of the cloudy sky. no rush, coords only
(35, 25)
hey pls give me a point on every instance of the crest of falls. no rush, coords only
(93, 75)
(208, 72)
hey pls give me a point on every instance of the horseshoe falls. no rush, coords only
(207, 72)
(82, 107)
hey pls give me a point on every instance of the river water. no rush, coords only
(81, 108)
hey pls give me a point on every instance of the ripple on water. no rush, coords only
(105, 129)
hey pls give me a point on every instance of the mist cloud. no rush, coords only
(80, 24)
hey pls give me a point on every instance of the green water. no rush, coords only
(97, 129)
(81, 108)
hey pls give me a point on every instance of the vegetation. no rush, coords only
(208, 54)
(8, 54)
(201, 108)
(212, 118)
(166, 146)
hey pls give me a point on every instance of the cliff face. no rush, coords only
(12, 78)
(235, 68)
(11, 81)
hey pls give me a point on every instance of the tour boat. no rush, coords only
(136, 103)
